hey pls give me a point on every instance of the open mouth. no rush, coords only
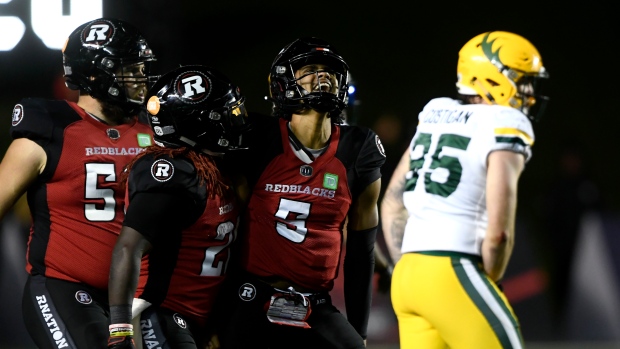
(324, 86)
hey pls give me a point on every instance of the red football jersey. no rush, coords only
(294, 221)
(189, 257)
(76, 203)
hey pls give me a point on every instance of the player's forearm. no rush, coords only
(503, 173)
(496, 252)
(124, 274)
(394, 217)
(499, 238)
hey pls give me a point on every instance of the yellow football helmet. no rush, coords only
(504, 69)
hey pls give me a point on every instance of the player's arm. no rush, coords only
(142, 229)
(125, 268)
(503, 171)
(23, 161)
(130, 246)
(359, 259)
(393, 212)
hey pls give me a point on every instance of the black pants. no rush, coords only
(165, 329)
(62, 314)
(248, 326)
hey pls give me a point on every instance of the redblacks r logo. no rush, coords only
(162, 170)
(98, 33)
(193, 87)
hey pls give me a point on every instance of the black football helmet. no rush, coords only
(289, 97)
(196, 106)
(97, 51)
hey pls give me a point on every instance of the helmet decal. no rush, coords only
(153, 107)
(487, 49)
(193, 87)
(98, 33)
(18, 115)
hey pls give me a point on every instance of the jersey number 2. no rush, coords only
(217, 257)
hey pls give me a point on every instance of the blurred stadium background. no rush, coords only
(563, 280)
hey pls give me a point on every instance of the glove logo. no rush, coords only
(179, 320)
(18, 114)
(247, 292)
(83, 297)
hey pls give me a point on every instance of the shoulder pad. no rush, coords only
(35, 118)
(161, 174)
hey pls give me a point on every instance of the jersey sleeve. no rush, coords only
(163, 197)
(513, 131)
(369, 161)
(31, 119)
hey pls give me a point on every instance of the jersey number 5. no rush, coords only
(444, 171)
(92, 191)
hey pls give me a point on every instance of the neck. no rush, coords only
(312, 129)
(93, 107)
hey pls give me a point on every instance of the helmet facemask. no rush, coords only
(127, 86)
(317, 87)
(530, 97)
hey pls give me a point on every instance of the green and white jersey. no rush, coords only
(445, 188)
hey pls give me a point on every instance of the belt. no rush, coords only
(282, 285)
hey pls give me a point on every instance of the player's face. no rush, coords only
(526, 91)
(134, 78)
(317, 78)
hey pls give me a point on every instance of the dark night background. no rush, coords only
(401, 54)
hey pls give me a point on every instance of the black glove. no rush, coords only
(121, 337)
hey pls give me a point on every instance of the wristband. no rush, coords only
(121, 330)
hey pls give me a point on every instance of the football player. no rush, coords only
(182, 213)
(68, 157)
(448, 213)
(308, 173)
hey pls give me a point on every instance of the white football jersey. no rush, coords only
(445, 189)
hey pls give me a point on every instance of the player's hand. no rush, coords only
(121, 337)
(385, 279)
(214, 342)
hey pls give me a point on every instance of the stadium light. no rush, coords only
(48, 21)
